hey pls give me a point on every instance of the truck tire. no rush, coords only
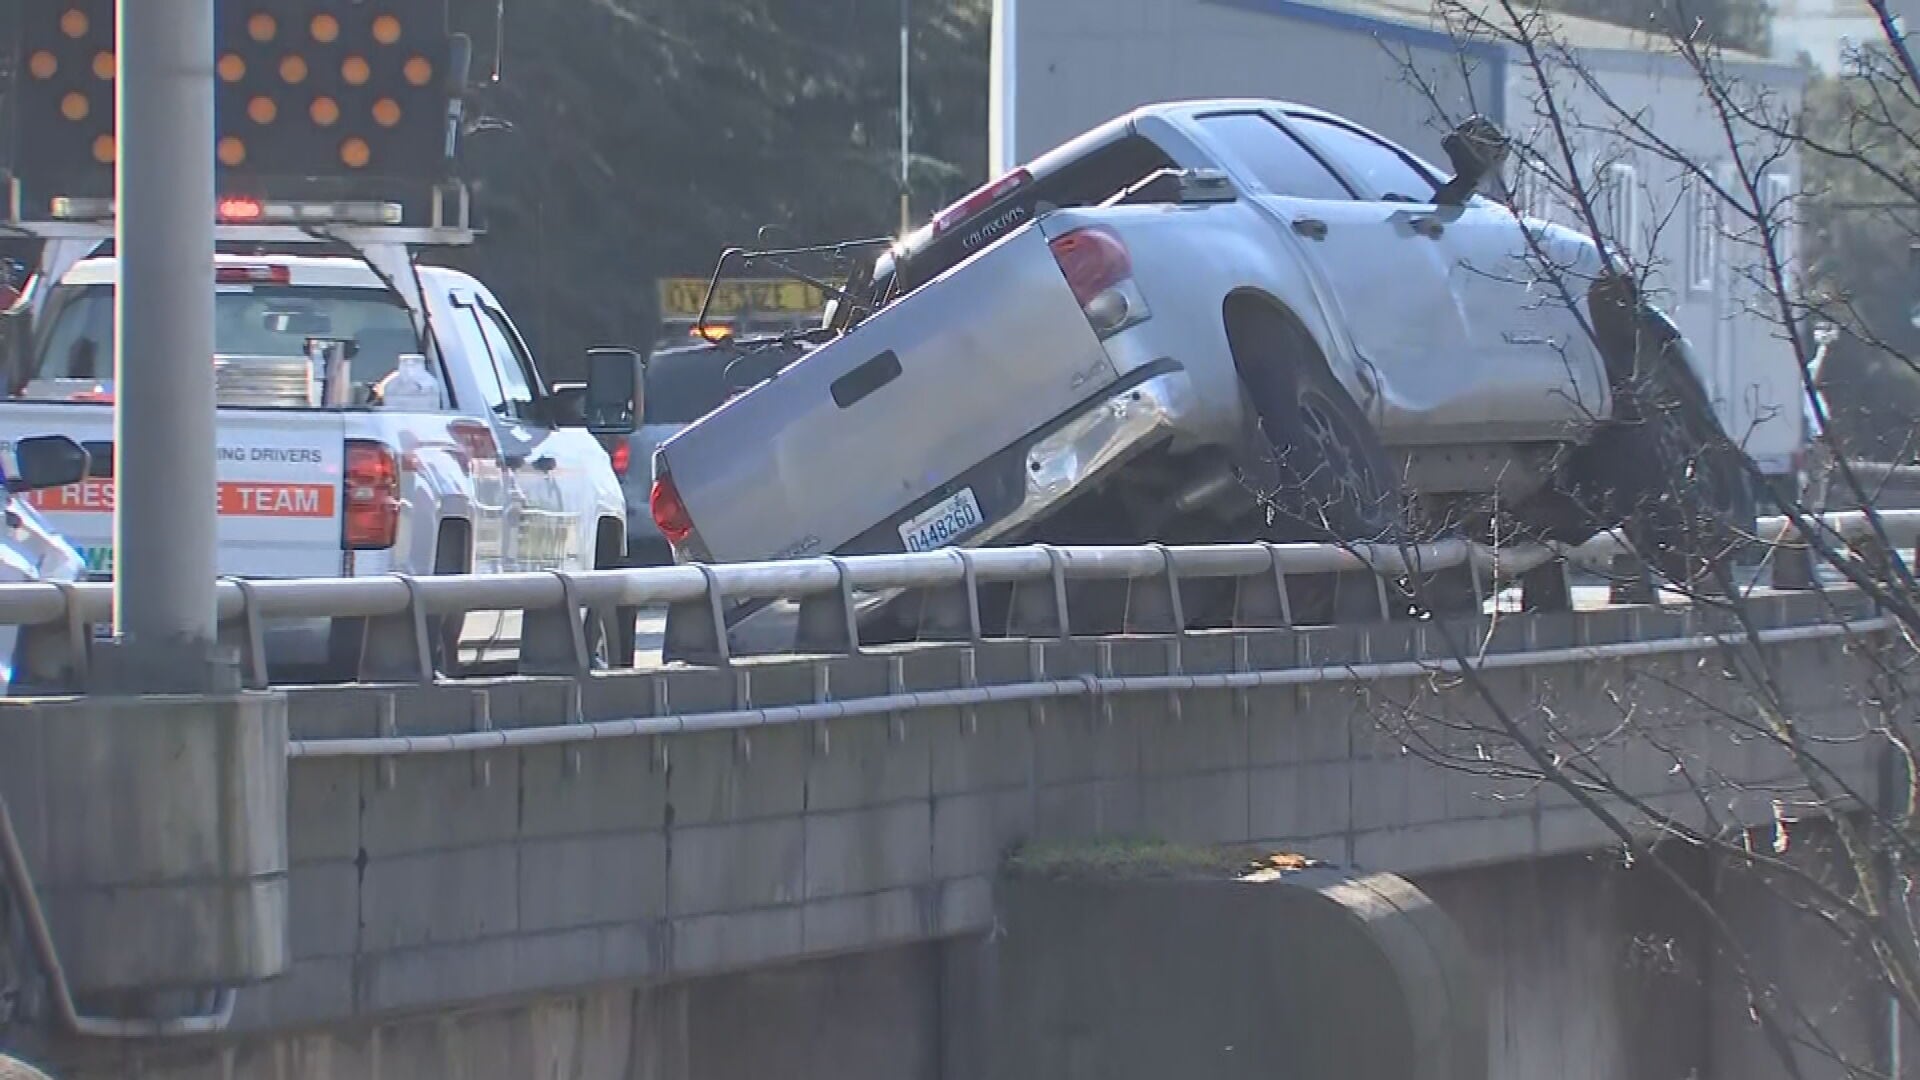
(1319, 474)
(1327, 476)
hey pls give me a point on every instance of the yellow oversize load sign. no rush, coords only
(680, 298)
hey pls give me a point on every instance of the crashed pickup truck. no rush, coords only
(1212, 321)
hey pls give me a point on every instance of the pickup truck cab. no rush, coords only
(318, 475)
(1211, 321)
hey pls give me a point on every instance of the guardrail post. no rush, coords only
(1546, 588)
(1261, 600)
(553, 640)
(1041, 611)
(1155, 605)
(1632, 582)
(1795, 565)
(1358, 595)
(398, 647)
(829, 622)
(948, 612)
(249, 637)
(696, 630)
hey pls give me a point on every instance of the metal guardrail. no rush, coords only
(399, 611)
(1886, 472)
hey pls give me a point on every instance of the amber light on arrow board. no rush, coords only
(308, 93)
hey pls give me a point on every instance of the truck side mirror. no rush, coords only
(46, 461)
(1477, 148)
(616, 393)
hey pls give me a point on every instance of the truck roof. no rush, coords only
(315, 271)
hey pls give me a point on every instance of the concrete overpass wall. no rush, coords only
(886, 1014)
(444, 883)
(1604, 957)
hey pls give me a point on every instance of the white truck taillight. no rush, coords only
(372, 483)
(1100, 273)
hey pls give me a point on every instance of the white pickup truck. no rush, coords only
(317, 476)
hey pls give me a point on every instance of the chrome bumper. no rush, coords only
(1058, 467)
(1062, 464)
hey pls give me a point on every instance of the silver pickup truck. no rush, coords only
(1208, 321)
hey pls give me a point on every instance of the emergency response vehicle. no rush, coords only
(376, 415)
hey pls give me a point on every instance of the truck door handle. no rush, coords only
(1311, 228)
(848, 389)
(544, 464)
(1427, 227)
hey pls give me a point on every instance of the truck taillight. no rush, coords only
(621, 454)
(372, 499)
(669, 513)
(1100, 272)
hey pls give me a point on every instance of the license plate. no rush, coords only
(943, 523)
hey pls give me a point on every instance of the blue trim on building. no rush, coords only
(1365, 24)
(1488, 53)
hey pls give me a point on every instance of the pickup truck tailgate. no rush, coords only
(867, 424)
(279, 497)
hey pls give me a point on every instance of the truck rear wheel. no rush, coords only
(1326, 475)
(1318, 473)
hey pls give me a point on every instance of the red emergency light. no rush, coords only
(239, 208)
(252, 275)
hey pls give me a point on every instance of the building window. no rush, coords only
(1617, 205)
(1777, 210)
(1532, 191)
(1703, 235)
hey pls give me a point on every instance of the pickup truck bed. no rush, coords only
(865, 416)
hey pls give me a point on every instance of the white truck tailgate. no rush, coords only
(279, 496)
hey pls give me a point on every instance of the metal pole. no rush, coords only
(906, 120)
(163, 344)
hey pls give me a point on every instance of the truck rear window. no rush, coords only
(1102, 173)
(73, 342)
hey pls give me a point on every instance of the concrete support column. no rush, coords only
(1832, 1006)
(155, 832)
(163, 347)
(1311, 973)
